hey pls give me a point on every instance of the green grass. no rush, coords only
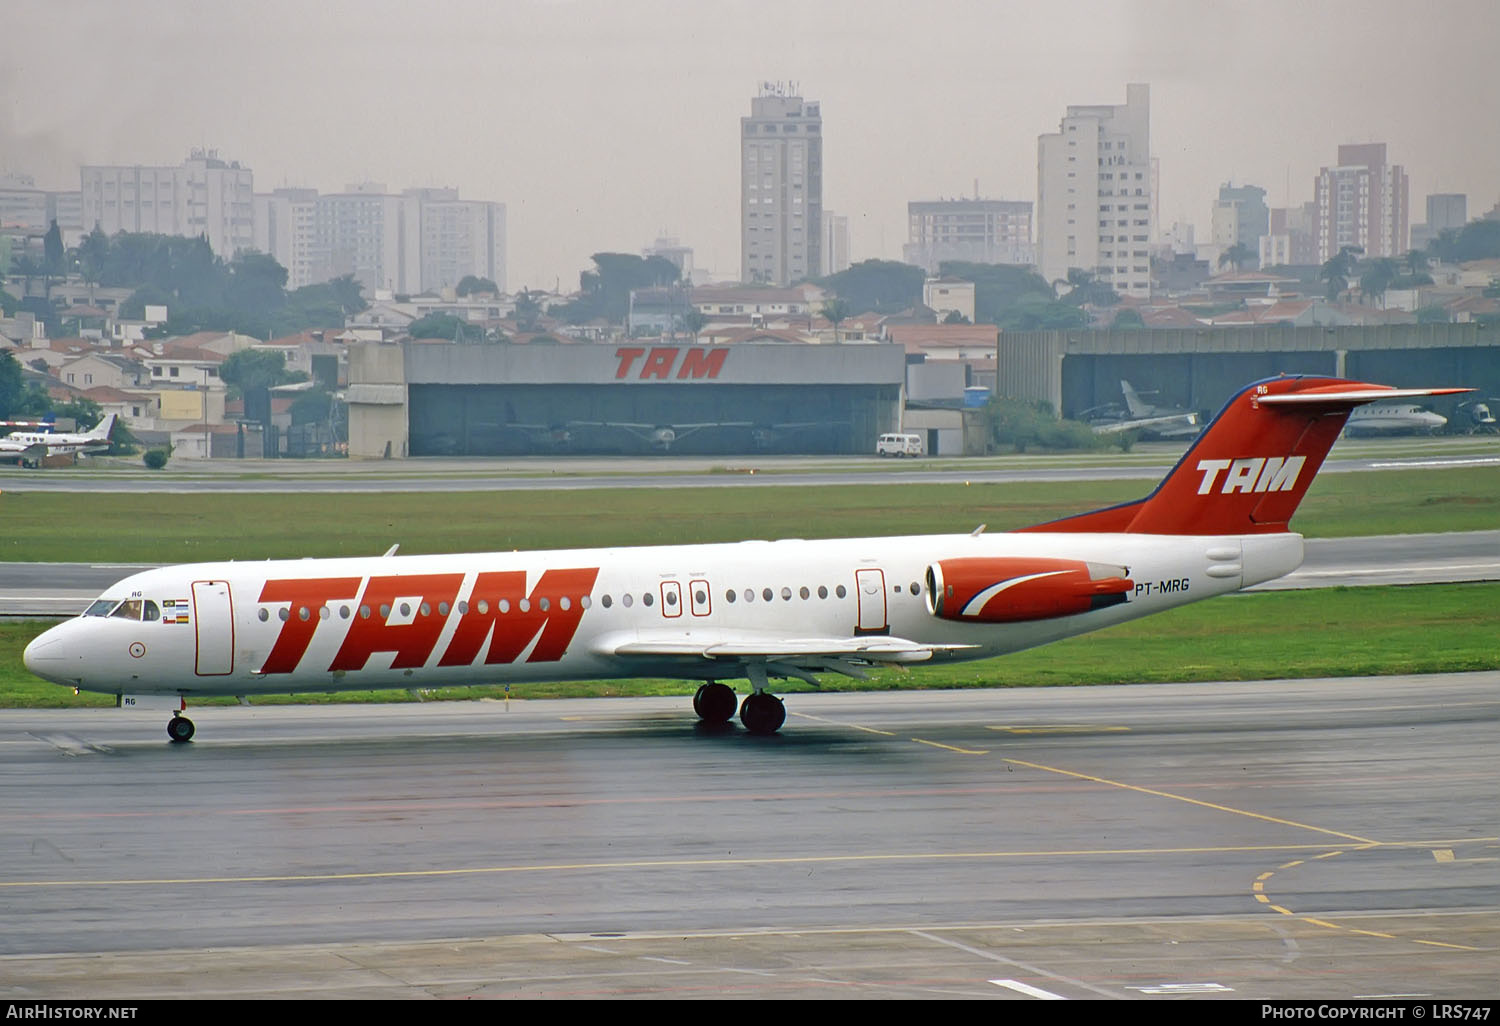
(159, 528)
(1336, 632)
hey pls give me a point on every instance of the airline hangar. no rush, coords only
(452, 399)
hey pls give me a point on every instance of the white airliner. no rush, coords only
(30, 444)
(753, 610)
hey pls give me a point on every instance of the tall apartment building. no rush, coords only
(1240, 217)
(286, 230)
(1290, 240)
(457, 238)
(203, 196)
(1361, 202)
(781, 188)
(1095, 197)
(1445, 210)
(835, 242)
(22, 204)
(421, 240)
(979, 231)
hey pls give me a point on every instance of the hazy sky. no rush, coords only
(604, 124)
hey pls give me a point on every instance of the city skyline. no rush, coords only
(602, 127)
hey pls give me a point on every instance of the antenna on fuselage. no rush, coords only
(392, 550)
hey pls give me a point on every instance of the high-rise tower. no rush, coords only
(1094, 194)
(781, 187)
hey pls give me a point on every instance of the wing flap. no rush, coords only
(735, 648)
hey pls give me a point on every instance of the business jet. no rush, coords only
(50, 443)
(1393, 419)
(755, 610)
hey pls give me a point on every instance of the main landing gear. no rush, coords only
(761, 712)
(180, 729)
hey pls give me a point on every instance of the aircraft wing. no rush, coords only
(782, 656)
(15, 452)
(1180, 420)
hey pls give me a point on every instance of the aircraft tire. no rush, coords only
(762, 713)
(180, 729)
(714, 703)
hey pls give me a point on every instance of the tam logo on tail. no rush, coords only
(1293, 420)
(1257, 474)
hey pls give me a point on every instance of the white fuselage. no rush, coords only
(245, 628)
(1385, 417)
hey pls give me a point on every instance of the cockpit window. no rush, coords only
(101, 607)
(149, 612)
(130, 609)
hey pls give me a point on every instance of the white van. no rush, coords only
(899, 445)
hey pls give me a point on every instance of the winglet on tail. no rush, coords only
(1250, 468)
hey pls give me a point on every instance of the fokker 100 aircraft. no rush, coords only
(753, 610)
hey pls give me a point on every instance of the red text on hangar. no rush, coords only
(658, 362)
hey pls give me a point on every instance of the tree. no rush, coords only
(445, 326)
(471, 284)
(92, 255)
(606, 289)
(1022, 424)
(1084, 289)
(881, 286)
(249, 369)
(1378, 277)
(997, 287)
(694, 321)
(54, 260)
(1034, 313)
(12, 385)
(1477, 240)
(1239, 255)
(835, 311)
(1337, 270)
(528, 311)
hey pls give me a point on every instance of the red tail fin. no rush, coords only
(1251, 466)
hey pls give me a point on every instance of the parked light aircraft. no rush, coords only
(1393, 418)
(1162, 422)
(660, 436)
(1165, 421)
(752, 610)
(30, 446)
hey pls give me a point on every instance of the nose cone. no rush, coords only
(51, 657)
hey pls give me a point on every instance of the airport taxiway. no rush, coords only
(1292, 839)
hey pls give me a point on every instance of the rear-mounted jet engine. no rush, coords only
(1008, 590)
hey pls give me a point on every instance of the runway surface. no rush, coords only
(64, 589)
(1306, 839)
(1149, 462)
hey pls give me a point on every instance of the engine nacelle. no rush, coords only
(1013, 589)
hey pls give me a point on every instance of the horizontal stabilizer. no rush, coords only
(1337, 395)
